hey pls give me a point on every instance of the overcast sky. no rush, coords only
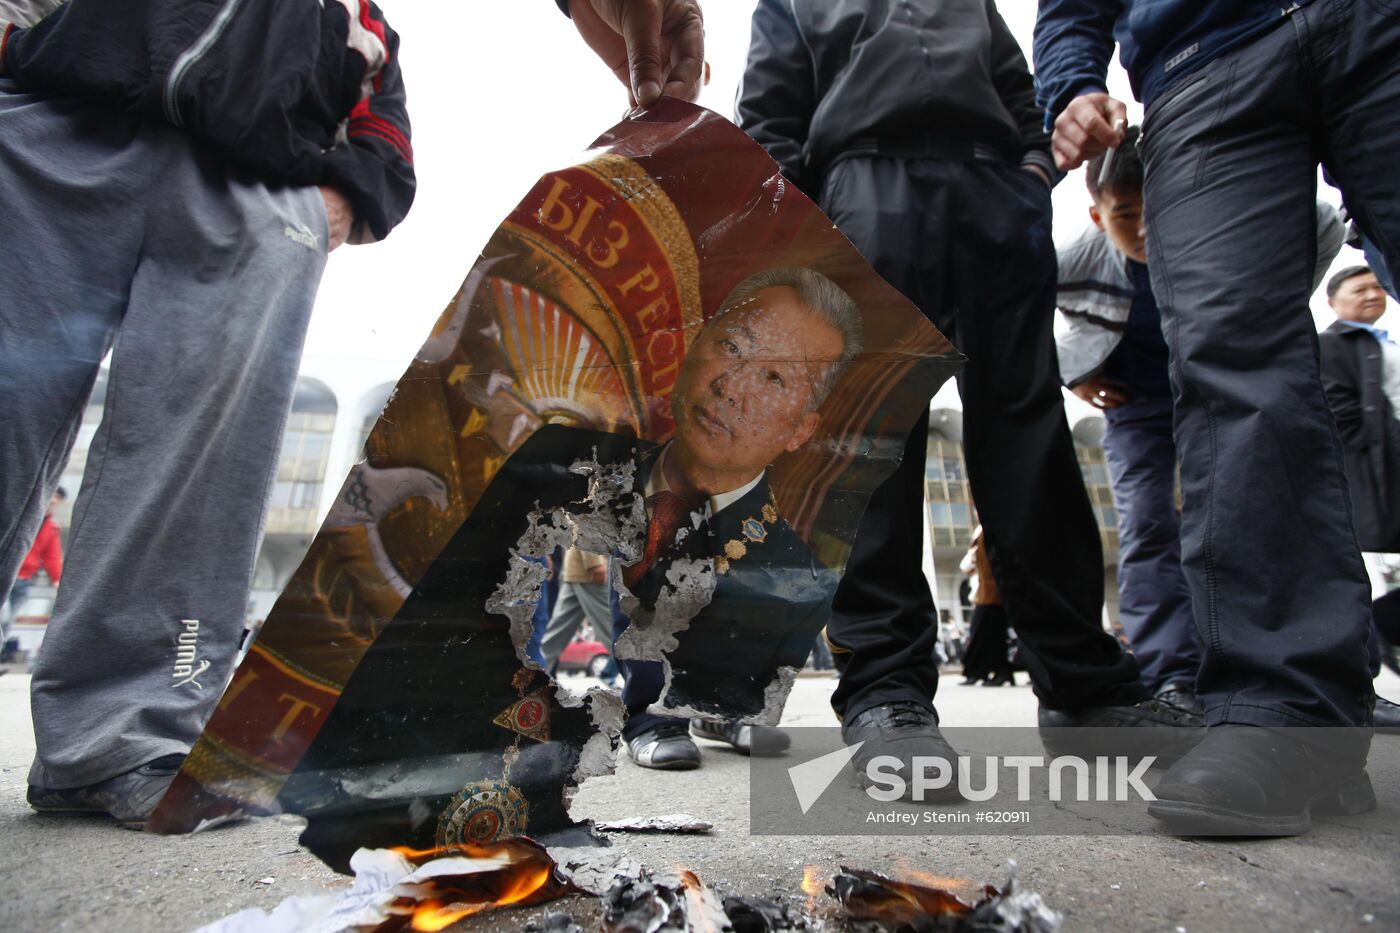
(500, 93)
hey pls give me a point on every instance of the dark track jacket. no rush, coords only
(301, 92)
(1160, 41)
(825, 75)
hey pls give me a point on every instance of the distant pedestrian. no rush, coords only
(988, 656)
(583, 596)
(1361, 375)
(46, 554)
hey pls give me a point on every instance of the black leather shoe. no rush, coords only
(666, 747)
(1182, 695)
(128, 798)
(1000, 680)
(1386, 718)
(905, 730)
(1147, 728)
(1248, 781)
(748, 740)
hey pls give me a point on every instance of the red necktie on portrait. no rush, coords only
(667, 512)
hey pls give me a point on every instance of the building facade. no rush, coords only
(951, 517)
(337, 402)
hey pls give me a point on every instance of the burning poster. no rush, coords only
(665, 354)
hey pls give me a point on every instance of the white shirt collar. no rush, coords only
(656, 482)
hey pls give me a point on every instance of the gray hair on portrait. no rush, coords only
(821, 297)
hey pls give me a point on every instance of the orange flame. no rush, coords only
(913, 875)
(812, 881)
(465, 849)
(431, 916)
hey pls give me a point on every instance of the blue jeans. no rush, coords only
(1154, 603)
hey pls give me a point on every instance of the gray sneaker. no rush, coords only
(762, 741)
(129, 798)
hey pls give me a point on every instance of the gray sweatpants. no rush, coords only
(577, 601)
(124, 234)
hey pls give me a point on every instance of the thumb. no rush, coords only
(1116, 113)
(641, 32)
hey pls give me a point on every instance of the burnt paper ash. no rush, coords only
(663, 904)
(761, 915)
(553, 922)
(873, 902)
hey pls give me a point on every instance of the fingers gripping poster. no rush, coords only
(666, 357)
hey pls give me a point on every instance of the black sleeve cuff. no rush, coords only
(1043, 161)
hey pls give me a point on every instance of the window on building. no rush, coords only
(950, 515)
(1095, 472)
(301, 469)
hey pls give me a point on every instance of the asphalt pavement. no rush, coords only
(85, 873)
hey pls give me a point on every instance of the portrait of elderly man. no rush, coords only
(749, 391)
(722, 584)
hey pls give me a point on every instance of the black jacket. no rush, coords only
(1352, 375)
(825, 76)
(301, 92)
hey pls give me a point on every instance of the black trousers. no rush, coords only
(969, 243)
(1278, 590)
(988, 643)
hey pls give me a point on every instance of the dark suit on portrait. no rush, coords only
(766, 611)
(415, 722)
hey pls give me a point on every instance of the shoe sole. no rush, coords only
(767, 748)
(668, 766)
(1350, 797)
(86, 810)
(719, 740)
(65, 808)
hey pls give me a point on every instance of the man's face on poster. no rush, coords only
(747, 389)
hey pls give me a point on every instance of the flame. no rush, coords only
(698, 918)
(432, 915)
(913, 875)
(812, 881)
(460, 849)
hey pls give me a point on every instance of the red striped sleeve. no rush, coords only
(363, 122)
